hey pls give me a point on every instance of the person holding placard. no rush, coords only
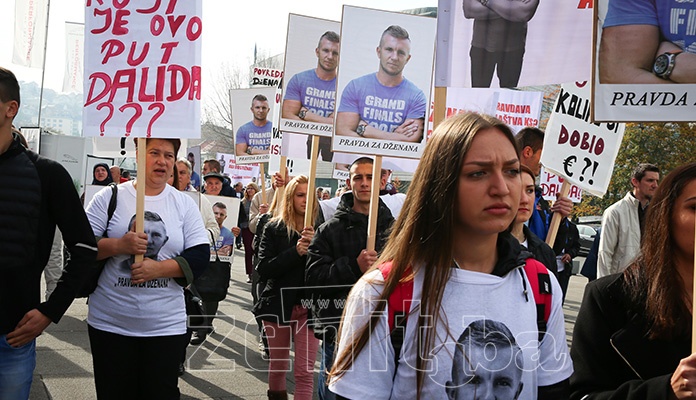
(632, 337)
(282, 259)
(311, 95)
(384, 105)
(451, 246)
(137, 315)
(623, 222)
(498, 41)
(254, 137)
(648, 41)
(338, 257)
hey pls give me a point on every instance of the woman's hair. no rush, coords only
(422, 235)
(108, 178)
(285, 210)
(653, 279)
(253, 186)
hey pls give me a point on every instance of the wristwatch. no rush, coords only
(664, 64)
(302, 114)
(248, 150)
(360, 130)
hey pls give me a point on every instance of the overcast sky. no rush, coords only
(231, 29)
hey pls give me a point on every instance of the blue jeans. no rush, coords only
(16, 369)
(327, 359)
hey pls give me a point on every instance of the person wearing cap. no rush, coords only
(213, 183)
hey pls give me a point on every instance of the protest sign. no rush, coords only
(551, 187)
(226, 211)
(382, 106)
(118, 146)
(252, 123)
(246, 173)
(142, 69)
(266, 77)
(311, 60)
(545, 42)
(580, 151)
(294, 166)
(631, 91)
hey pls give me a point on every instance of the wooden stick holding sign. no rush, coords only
(140, 191)
(556, 220)
(311, 195)
(262, 181)
(374, 203)
(440, 106)
(283, 172)
(693, 304)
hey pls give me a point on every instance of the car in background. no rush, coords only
(587, 237)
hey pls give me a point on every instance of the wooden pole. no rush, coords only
(311, 192)
(283, 168)
(374, 203)
(556, 220)
(693, 303)
(440, 108)
(140, 191)
(262, 181)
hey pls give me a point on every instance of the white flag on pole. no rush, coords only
(74, 50)
(30, 32)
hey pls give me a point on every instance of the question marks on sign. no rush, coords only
(108, 117)
(154, 118)
(569, 162)
(138, 112)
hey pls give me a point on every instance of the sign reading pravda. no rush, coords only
(142, 68)
(576, 149)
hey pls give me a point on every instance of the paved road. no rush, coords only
(227, 366)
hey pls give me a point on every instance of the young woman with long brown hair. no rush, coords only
(632, 338)
(451, 241)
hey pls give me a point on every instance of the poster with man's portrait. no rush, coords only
(383, 88)
(512, 43)
(226, 212)
(252, 123)
(642, 48)
(309, 88)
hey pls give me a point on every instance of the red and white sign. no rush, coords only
(551, 186)
(142, 69)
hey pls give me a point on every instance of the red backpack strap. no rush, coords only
(540, 283)
(398, 307)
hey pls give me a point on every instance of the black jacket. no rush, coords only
(567, 241)
(38, 194)
(541, 251)
(612, 356)
(332, 263)
(282, 268)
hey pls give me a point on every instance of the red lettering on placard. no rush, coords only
(167, 47)
(143, 53)
(585, 4)
(111, 48)
(192, 35)
(175, 23)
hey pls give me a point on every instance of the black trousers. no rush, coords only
(507, 64)
(135, 367)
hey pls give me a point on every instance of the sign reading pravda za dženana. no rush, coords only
(580, 151)
(142, 69)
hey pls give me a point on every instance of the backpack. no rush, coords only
(92, 279)
(399, 302)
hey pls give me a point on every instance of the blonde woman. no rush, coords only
(282, 259)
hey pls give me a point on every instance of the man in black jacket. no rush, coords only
(337, 258)
(37, 195)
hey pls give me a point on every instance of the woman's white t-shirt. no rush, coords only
(156, 307)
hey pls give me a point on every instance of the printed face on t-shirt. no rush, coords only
(156, 238)
(393, 54)
(327, 55)
(260, 110)
(486, 372)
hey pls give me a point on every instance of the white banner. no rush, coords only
(295, 166)
(30, 32)
(580, 151)
(551, 186)
(545, 41)
(243, 173)
(142, 69)
(121, 147)
(74, 51)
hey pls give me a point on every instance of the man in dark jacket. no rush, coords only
(566, 247)
(37, 195)
(337, 258)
